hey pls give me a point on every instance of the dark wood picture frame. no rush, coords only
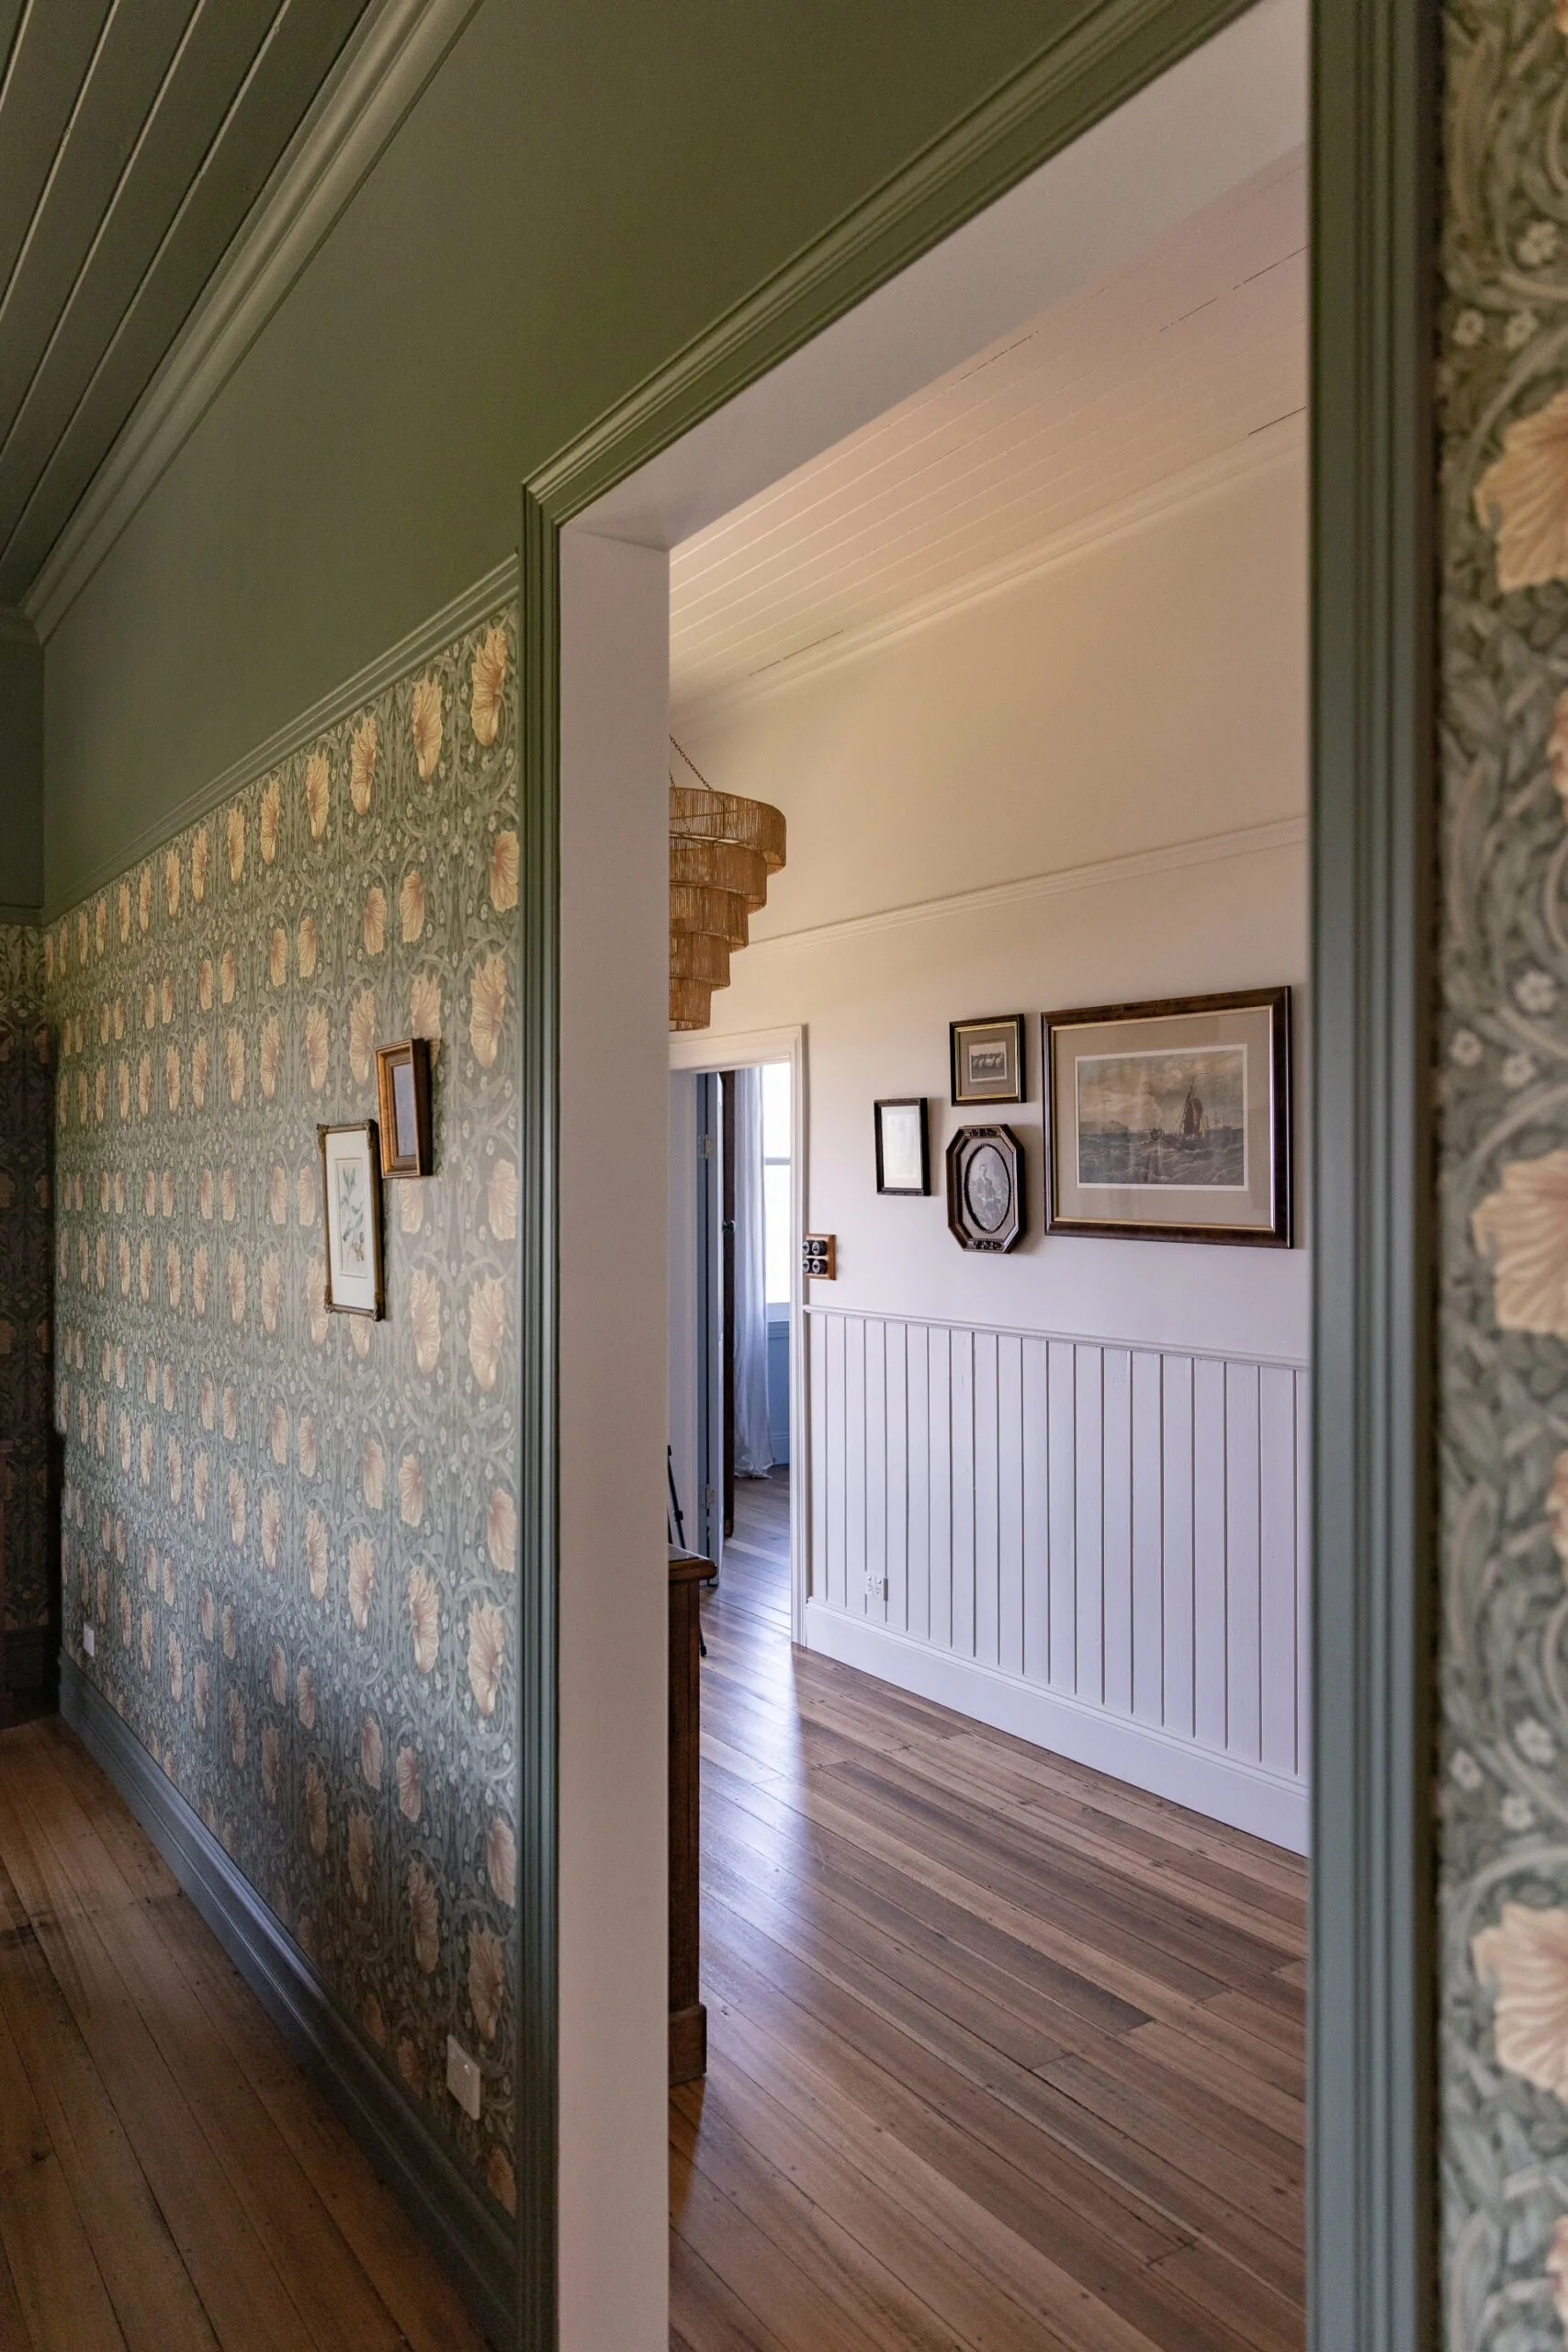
(962, 1099)
(916, 1102)
(1278, 1233)
(962, 1224)
(397, 1157)
(366, 1127)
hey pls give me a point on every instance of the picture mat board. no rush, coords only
(1110, 1080)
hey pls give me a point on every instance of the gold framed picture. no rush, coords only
(350, 1212)
(987, 1059)
(402, 1086)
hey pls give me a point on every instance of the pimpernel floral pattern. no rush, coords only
(291, 1533)
(25, 1228)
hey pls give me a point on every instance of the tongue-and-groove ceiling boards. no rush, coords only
(135, 138)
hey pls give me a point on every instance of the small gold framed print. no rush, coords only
(402, 1085)
(987, 1059)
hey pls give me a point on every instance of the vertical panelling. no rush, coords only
(1010, 1503)
(1035, 1374)
(874, 1444)
(1277, 1566)
(1116, 1525)
(1243, 1563)
(1088, 1374)
(1147, 1457)
(987, 1500)
(918, 1343)
(960, 1360)
(1062, 1511)
(838, 1335)
(1122, 1525)
(1209, 1641)
(819, 1476)
(940, 1436)
(897, 1515)
(1176, 1522)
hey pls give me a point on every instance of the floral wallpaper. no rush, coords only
(292, 1532)
(25, 1095)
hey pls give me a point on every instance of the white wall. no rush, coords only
(1087, 790)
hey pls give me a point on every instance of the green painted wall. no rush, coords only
(570, 202)
(21, 766)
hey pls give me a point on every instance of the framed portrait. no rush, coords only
(402, 1086)
(903, 1145)
(987, 1059)
(985, 1189)
(351, 1210)
(1171, 1121)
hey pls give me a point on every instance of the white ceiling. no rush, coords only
(1188, 357)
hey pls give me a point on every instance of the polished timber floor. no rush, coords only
(1002, 2054)
(168, 2181)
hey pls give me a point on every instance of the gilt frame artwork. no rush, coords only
(1170, 1121)
(350, 1212)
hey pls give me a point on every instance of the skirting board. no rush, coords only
(1242, 1796)
(472, 2242)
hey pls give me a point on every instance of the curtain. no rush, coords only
(753, 1447)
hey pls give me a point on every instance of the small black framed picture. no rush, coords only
(402, 1085)
(987, 1059)
(903, 1145)
(985, 1189)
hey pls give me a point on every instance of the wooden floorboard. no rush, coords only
(1002, 2054)
(169, 2181)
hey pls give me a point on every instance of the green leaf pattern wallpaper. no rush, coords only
(293, 1533)
(24, 1233)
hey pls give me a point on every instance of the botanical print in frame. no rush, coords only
(987, 1059)
(1170, 1121)
(903, 1146)
(352, 1209)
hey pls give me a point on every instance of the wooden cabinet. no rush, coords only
(688, 2017)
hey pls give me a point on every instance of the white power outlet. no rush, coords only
(876, 1586)
(89, 1641)
(463, 2078)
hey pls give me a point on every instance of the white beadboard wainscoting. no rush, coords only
(1101, 1548)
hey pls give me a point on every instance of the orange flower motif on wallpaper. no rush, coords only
(425, 1619)
(501, 1530)
(318, 793)
(1522, 499)
(500, 1200)
(277, 955)
(234, 1063)
(1523, 1229)
(306, 947)
(425, 1319)
(199, 854)
(374, 924)
(362, 763)
(172, 883)
(486, 1979)
(411, 1490)
(270, 1057)
(503, 872)
(145, 897)
(235, 832)
(488, 1008)
(1525, 1957)
(305, 1449)
(316, 1558)
(487, 1651)
(411, 907)
(425, 1917)
(410, 1792)
(270, 813)
(316, 1047)
(361, 1854)
(486, 1329)
(271, 1526)
(361, 1035)
(305, 1698)
(315, 1808)
(425, 724)
(371, 1753)
(501, 1863)
(361, 1580)
(373, 1474)
(237, 1510)
(488, 685)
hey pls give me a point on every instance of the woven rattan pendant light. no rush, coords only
(722, 850)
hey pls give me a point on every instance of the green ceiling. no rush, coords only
(135, 136)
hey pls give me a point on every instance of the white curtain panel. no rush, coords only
(753, 1447)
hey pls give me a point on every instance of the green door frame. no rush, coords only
(1371, 2223)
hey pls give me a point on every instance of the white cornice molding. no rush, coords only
(1246, 841)
(371, 91)
(474, 605)
(1270, 448)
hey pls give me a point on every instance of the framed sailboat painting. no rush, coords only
(1170, 1121)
